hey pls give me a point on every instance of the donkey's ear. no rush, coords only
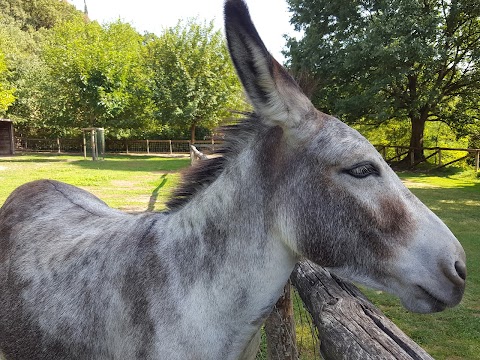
(272, 91)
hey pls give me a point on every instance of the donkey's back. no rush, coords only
(58, 239)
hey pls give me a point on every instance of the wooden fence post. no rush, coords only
(350, 327)
(196, 155)
(170, 146)
(477, 160)
(280, 329)
(148, 148)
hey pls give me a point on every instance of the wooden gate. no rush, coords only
(7, 146)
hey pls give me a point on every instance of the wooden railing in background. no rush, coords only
(183, 147)
(401, 151)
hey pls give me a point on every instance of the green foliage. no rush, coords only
(97, 76)
(408, 60)
(6, 92)
(396, 132)
(27, 73)
(194, 83)
(32, 15)
(69, 73)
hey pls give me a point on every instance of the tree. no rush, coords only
(32, 15)
(392, 59)
(24, 25)
(6, 92)
(99, 77)
(22, 58)
(194, 83)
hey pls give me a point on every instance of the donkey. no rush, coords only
(79, 280)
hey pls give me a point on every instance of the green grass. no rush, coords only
(138, 183)
(131, 183)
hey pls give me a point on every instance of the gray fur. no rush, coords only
(79, 280)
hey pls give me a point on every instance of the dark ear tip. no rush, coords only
(238, 20)
(235, 9)
(235, 6)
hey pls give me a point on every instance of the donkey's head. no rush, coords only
(331, 196)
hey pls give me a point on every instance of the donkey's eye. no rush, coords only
(362, 170)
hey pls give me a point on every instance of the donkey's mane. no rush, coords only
(205, 172)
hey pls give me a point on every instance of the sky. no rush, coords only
(271, 17)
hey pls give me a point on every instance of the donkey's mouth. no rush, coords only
(436, 304)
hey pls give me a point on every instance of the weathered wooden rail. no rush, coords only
(196, 155)
(350, 327)
(437, 151)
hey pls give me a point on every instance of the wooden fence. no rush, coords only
(349, 326)
(392, 153)
(112, 146)
(60, 145)
(440, 156)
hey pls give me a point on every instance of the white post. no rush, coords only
(92, 140)
(84, 146)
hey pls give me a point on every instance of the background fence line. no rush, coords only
(441, 156)
(392, 152)
(60, 145)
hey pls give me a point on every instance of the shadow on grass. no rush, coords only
(154, 196)
(14, 159)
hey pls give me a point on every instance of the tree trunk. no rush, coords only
(416, 139)
(415, 154)
(280, 329)
(350, 327)
(192, 133)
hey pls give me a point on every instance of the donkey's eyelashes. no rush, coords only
(362, 170)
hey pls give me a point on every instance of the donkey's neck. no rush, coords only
(229, 257)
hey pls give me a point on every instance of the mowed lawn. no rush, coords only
(130, 183)
(140, 183)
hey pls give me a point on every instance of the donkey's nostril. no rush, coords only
(461, 269)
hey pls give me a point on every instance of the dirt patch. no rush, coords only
(417, 185)
(123, 183)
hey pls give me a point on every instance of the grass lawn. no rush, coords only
(139, 183)
(131, 183)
